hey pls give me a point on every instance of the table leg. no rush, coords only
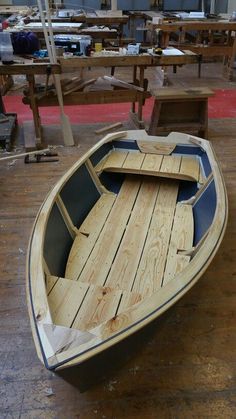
(134, 81)
(140, 102)
(34, 108)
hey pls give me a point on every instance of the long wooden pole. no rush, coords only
(17, 156)
(65, 123)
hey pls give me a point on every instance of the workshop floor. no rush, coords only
(181, 366)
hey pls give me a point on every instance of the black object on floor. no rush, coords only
(8, 122)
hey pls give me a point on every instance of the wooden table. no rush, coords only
(9, 10)
(208, 38)
(30, 70)
(138, 64)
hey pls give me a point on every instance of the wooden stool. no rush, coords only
(184, 110)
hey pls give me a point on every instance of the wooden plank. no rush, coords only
(103, 253)
(170, 164)
(173, 93)
(108, 128)
(155, 147)
(65, 299)
(125, 265)
(29, 135)
(202, 177)
(88, 234)
(93, 97)
(99, 166)
(183, 228)
(128, 300)
(50, 282)
(181, 239)
(186, 168)
(151, 269)
(133, 161)
(100, 187)
(115, 160)
(190, 166)
(99, 305)
(152, 163)
(32, 68)
(66, 217)
(175, 264)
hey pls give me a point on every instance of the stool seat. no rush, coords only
(184, 110)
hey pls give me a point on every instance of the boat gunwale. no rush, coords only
(78, 358)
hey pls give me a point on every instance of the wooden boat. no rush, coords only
(121, 237)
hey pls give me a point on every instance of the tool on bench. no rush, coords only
(43, 157)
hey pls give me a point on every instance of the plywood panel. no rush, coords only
(155, 147)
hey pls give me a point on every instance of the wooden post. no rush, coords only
(34, 107)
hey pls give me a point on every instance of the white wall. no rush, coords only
(231, 6)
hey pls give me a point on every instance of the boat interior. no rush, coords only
(125, 223)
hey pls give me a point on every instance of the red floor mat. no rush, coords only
(222, 105)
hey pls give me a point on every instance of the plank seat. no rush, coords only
(171, 166)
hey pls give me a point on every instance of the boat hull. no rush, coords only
(122, 236)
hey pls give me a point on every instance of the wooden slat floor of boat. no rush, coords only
(175, 166)
(119, 256)
(88, 234)
(152, 265)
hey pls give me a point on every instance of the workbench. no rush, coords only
(30, 70)
(67, 27)
(207, 37)
(99, 24)
(138, 64)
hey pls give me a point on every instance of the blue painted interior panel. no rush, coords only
(57, 243)
(204, 211)
(132, 145)
(189, 150)
(112, 181)
(206, 164)
(186, 190)
(100, 153)
(79, 195)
